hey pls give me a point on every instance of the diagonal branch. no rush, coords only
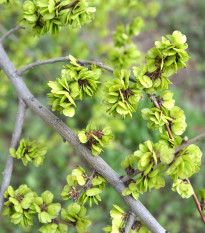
(57, 124)
(14, 142)
(130, 223)
(7, 34)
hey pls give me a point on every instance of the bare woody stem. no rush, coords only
(72, 224)
(58, 125)
(62, 59)
(14, 142)
(7, 34)
(71, 5)
(154, 101)
(197, 203)
(130, 223)
(191, 141)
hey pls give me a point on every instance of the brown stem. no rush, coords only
(72, 224)
(152, 98)
(88, 180)
(197, 203)
(71, 5)
(14, 143)
(191, 141)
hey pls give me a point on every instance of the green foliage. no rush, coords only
(54, 228)
(184, 189)
(6, 2)
(80, 188)
(162, 61)
(95, 137)
(18, 204)
(45, 208)
(121, 99)
(83, 82)
(76, 214)
(119, 218)
(186, 163)
(76, 82)
(151, 77)
(155, 117)
(29, 151)
(44, 16)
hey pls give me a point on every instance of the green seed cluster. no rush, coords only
(121, 98)
(125, 53)
(95, 137)
(29, 151)
(184, 189)
(76, 82)
(76, 214)
(157, 160)
(44, 16)
(162, 61)
(22, 204)
(119, 220)
(82, 189)
(167, 114)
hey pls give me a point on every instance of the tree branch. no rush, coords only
(57, 124)
(14, 142)
(130, 222)
(7, 34)
(62, 59)
(191, 141)
(72, 224)
(197, 203)
(152, 98)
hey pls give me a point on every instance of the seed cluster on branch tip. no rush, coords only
(29, 151)
(125, 53)
(121, 98)
(44, 16)
(184, 189)
(119, 219)
(76, 82)
(167, 114)
(154, 161)
(81, 189)
(162, 61)
(77, 214)
(186, 163)
(22, 204)
(95, 137)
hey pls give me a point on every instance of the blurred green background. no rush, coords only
(93, 42)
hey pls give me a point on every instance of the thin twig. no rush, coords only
(14, 142)
(197, 203)
(130, 222)
(191, 141)
(93, 172)
(154, 101)
(128, 177)
(7, 34)
(62, 59)
(72, 224)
